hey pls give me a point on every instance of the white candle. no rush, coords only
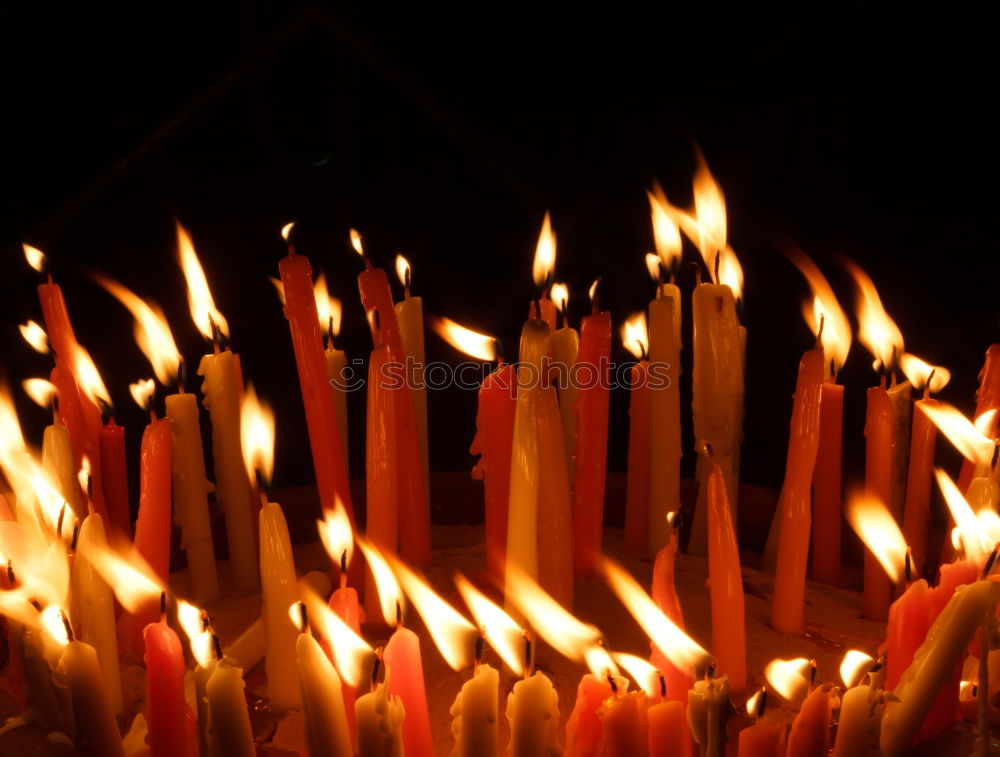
(707, 711)
(95, 720)
(57, 458)
(857, 731)
(327, 732)
(279, 591)
(474, 715)
(380, 722)
(229, 732)
(533, 712)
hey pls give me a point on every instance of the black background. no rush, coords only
(446, 135)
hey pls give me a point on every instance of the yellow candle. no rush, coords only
(327, 734)
(474, 715)
(279, 591)
(533, 713)
(92, 711)
(57, 458)
(190, 488)
(665, 413)
(565, 345)
(410, 314)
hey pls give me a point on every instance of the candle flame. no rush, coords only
(40, 390)
(55, 510)
(545, 253)
(790, 678)
(132, 580)
(823, 308)
(967, 691)
(403, 269)
(84, 474)
(194, 623)
(666, 234)
(563, 632)
(279, 288)
(88, 378)
(200, 302)
(142, 392)
(54, 623)
(35, 336)
(592, 291)
(500, 630)
(336, 533)
(975, 542)
(635, 335)
(877, 331)
(676, 645)
(873, 522)
(599, 661)
(150, 330)
(356, 242)
(559, 294)
(257, 435)
(390, 595)
(642, 672)
(286, 230)
(985, 421)
(453, 635)
(755, 703)
(854, 666)
(653, 266)
(917, 372)
(962, 432)
(34, 256)
(351, 654)
(329, 308)
(472, 343)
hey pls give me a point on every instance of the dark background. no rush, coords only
(446, 135)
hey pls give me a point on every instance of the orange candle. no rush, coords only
(725, 580)
(592, 374)
(678, 681)
(879, 424)
(115, 475)
(794, 502)
(828, 486)
(987, 398)
(637, 485)
(810, 732)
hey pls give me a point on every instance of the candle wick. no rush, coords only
(304, 617)
(498, 351)
(991, 561)
(812, 675)
(612, 683)
(480, 648)
(399, 615)
(217, 646)
(368, 262)
(663, 684)
(908, 567)
(819, 332)
(659, 277)
(375, 667)
(343, 565)
(67, 626)
(59, 521)
(329, 332)
(642, 350)
(163, 607)
(718, 259)
(406, 283)
(76, 530)
(927, 386)
(529, 660)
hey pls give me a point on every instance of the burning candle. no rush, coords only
(860, 708)
(541, 271)
(222, 389)
(410, 315)
(565, 348)
(810, 731)
(380, 721)
(597, 705)
(229, 732)
(665, 353)
(533, 713)
(708, 711)
(114, 474)
(494, 435)
(987, 398)
(794, 511)
(330, 310)
(637, 512)
(665, 596)
(658, 717)
(592, 372)
(171, 724)
(763, 738)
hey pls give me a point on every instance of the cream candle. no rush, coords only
(229, 732)
(565, 347)
(708, 711)
(474, 714)
(533, 713)
(410, 315)
(380, 718)
(330, 311)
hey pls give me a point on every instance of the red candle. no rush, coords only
(592, 376)
(172, 729)
(405, 671)
(584, 728)
(917, 507)
(668, 729)
(115, 475)
(827, 486)
(637, 483)
(344, 603)
(664, 593)
(762, 739)
(810, 733)
(987, 398)
(879, 425)
(314, 382)
(909, 619)
(493, 440)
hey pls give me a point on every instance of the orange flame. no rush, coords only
(472, 343)
(351, 653)
(279, 287)
(961, 432)
(599, 661)
(635, 335)
(286, 230)
(877, 331)
(151, 331)
(879, 531)
(194, 622)
(34, 256)
(500, 630)
(329, 308)
(403, 269)
(132, 580)
(974, 540)
(390, 595)
(200, 302)
(142, 392)
(88, 378)
(40, 390)
(917, 372)
(257, 435)
(545, 254)
(823, 308)
(854, 667)
(336, 533)
(790, 678)
(83, 475)
(642, 672)
(35, 336)
(592, 292)
(54, 623)
(356, 242)
(559, 294)
(653, 266)
(666, 235)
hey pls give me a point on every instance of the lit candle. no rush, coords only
(860, 709)
(662, 723)
(665, 353)
(763, 738)
(565, 348)
(810, 732)
(229, 732)
(171, 723)
(533, 713)
(541, 271)
(329, 310)
(592, 372)
(637, 486)
(194, 623)
(665, 596)
(794, 504)
(708, 712)
(380, 719)
(410, 314)
(987, 398)
(494, 435)
(585, 732)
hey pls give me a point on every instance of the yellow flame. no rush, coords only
(592, 292)
(194, 623)
(500, 630)
(989, 525)
(88, 378)
(545, 254)
(635, 335)
(40, 390)
(257, 434)
(34, 256)
(35, 336)
(824, 308)
(132, 580)
(564, 633)
(150, 330)
(599, 661)
(710, 213)
(472, 343)
(83, 475)
(402, 269)
(679, 648)
(279, 287)
(453, 635)
(985, 421)
(200, 302)
(961, 432)
(974, 540)
(142, 392)
(390, 595)
(653, 266)
(559, 294)
(877, 331)
(329, 308)
(356, 242)
(917, 372)
(967, 691)
(790, 678)
(53, 622)
(879, 531)
(55, 510)
(351, 653)
(854, 666)
(642, 672)
(666, 235)
(336, 533)
(286, 230)
(754, 704)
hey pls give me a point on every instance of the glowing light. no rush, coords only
(824, 308)
(559, 294)
(390, 595)
(356, 242)
(545, 254)
(34, 256)
(854, 666)
(917, 372)
(329, 308)
(962, 432)
(973, 540)
(336, 533)
(500, 630)
(257, 435)
(472, 343)
(142, 392)
(642, 672)
(35, 336)
(88, 378)
(877, 331)
(635, 335)
(286, 230)
(351, 654)
(41, 391)
(403, 270)
(879, 531)
(200, 301)
(666, 234)
(790, 678)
